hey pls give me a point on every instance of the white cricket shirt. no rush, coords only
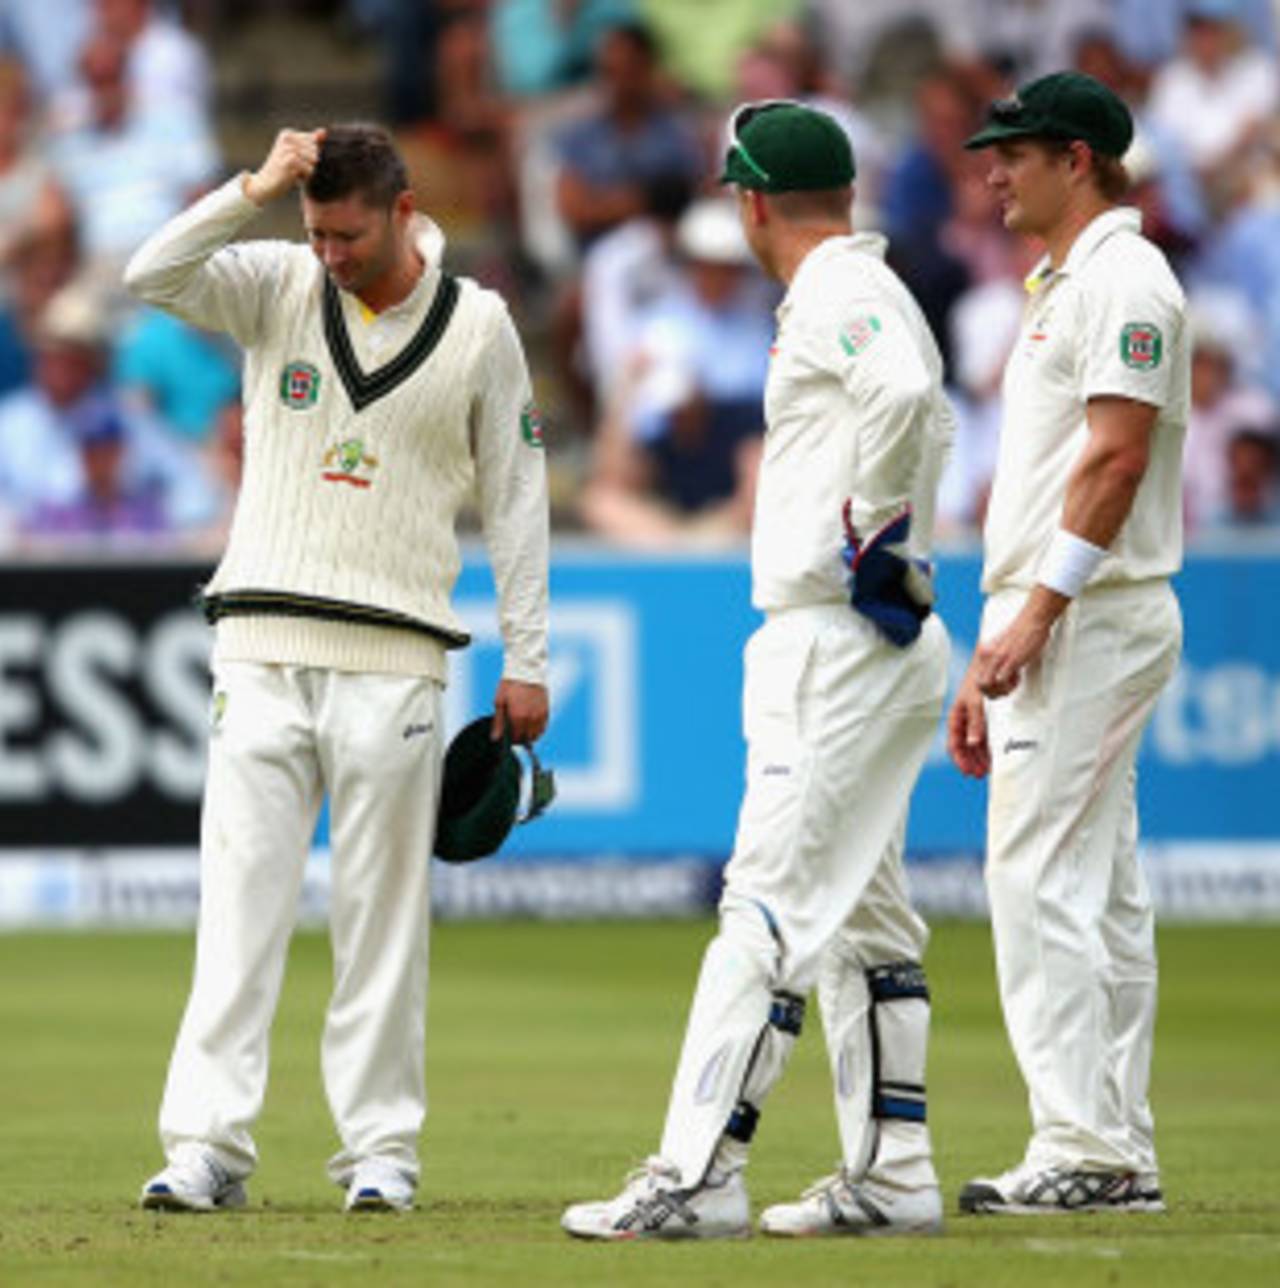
(363, 436)
(854, 409)
(1110, 321)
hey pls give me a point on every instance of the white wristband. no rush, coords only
(1069, 563)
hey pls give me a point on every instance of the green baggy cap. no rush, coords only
(480, 793)
(780, 146)
(1062, 105)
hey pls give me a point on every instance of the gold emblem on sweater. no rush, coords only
(348, 462)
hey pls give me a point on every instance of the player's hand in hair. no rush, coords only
(292, 158)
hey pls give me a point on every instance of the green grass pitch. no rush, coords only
(550, 1051)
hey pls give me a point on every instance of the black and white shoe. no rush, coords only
(1025, 1191)
(652, 1205)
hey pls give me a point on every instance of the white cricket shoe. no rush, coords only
(377, 1185)
(1030, 1191)
(838, 1205)
(652, 1205)
(194, 1181)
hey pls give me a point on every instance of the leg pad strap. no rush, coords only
(786, 1013)
(896, 981)
(742, 1122)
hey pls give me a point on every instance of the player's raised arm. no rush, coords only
(187, 267)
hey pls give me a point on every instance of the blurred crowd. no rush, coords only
(570, 149)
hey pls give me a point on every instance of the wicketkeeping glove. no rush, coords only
(886, 585)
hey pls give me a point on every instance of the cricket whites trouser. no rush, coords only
(280, 737)
(837, 724)
(1070, 909)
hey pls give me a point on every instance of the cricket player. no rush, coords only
(1080, 634)
(379, 389)
(843, 692)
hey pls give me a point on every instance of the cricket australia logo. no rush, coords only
(531, 425)
(299, 385)
(1141, 346)
(348, 462)
(860, 334)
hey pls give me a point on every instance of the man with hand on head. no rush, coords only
(843, 692)
(1080, 634)
(378, 389)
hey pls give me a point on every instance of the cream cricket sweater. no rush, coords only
(363, 435)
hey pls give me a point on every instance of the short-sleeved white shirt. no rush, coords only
(1110, 322)
(854, 411)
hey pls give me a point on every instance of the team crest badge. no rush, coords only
(299, 385)
(348, 462)
(860, 334)
(217, 712)
(531, 425)
(1141, 346)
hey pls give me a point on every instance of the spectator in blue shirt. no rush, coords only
(607, 159)
(182, 374)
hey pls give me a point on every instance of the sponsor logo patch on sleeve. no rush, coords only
(1141, 346)
(859, 335)
(531, 425)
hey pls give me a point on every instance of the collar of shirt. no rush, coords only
(811, 266)
(429, 240)
(1118, 219)
(1091, 237)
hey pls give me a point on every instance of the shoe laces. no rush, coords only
(649, 1175)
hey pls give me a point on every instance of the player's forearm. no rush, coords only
(890, 444)
(511, 489)
(519, 552)
(515, 519)
(1102, 487)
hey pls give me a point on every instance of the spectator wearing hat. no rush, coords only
(1080, 634)
(108, 506)
(674, 463)
(42, 464)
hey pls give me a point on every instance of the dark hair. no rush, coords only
(667, 195)
(810, 204)
(637, 34)
(1264, 440)
(1109, 174)
(358, 160)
